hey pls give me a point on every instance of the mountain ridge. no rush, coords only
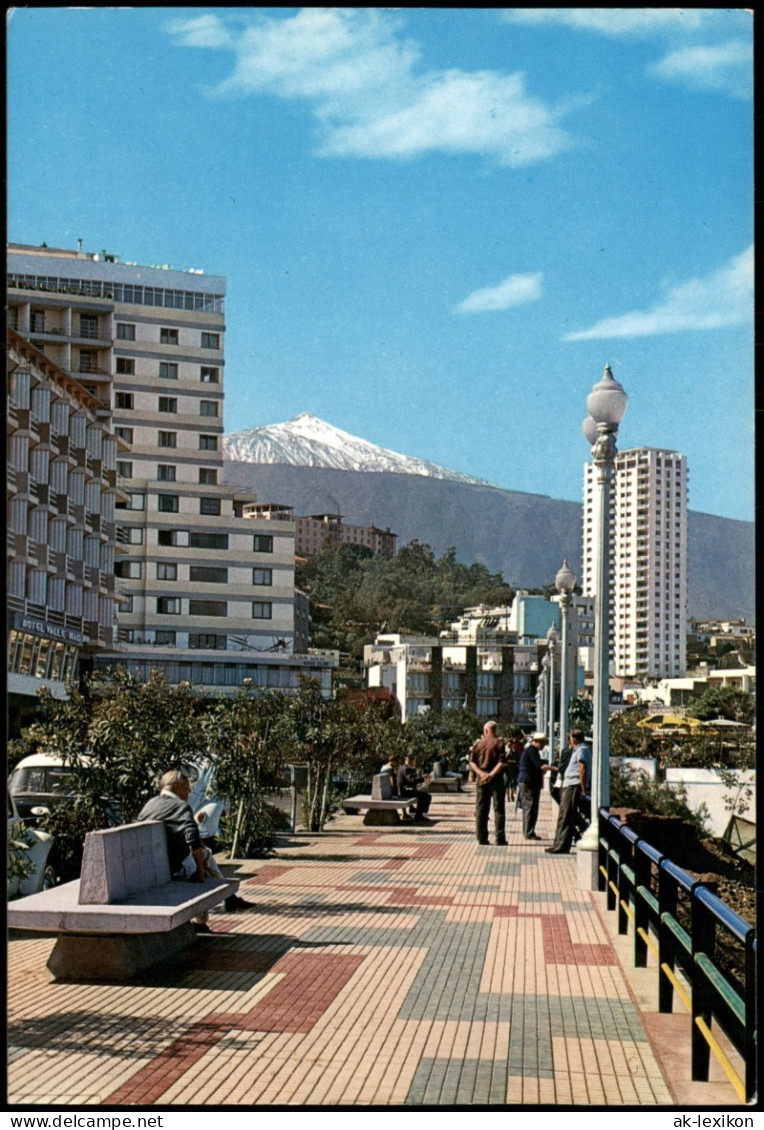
(307, 441)
(316, 468)
(522, 536)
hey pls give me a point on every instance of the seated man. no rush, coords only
(188, 858)
(442, 760)
(409, 783)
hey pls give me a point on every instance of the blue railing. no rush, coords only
(644, 886)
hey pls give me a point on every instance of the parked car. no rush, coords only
(37, 782)
(39, 851)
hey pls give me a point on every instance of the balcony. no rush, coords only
(41, 494)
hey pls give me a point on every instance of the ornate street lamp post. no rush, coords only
(541, 714)
(552, 639)
(564, 583)
(605, 404)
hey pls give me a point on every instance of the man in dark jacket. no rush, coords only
(409, 783)
(487, 762)
(530, 777)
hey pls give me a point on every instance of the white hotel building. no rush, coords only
(206, 595)
(648, 561)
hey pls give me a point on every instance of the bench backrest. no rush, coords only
(117, 862)
(380, 787)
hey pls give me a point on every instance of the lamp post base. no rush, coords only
(587, 863)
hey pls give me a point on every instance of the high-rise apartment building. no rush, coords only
(197, 579)
(61, 528)
(648, 561)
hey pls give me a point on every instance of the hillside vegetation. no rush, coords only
(355, 595)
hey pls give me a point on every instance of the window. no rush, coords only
(199, 540)
(89, 361)
(125, 331)
(89, 325)
(167, 503)
(125, 468)
(37, 321)
(168, 371)
(208, 574)
(209, 506)
(126, 604)
(124, 400)
(168, 336)
(165, 636)
(125, 434)
(166, 472)
(262, 610)
(167, 571)
(167, 439)
(210, 341)
(263, 543)
(207, 641)
(125, 365)
(208, 408)
(262, 576)
(134, 535)
(133, 570)
(207, 608)
(168, 605)
(172, 537)
(168, 404)
(208, 476)
(209, 375)
(208, 443)
(134, 502)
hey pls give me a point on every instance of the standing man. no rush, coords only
(530, 777)
(487, 761)
(575, 784)
(409, 783)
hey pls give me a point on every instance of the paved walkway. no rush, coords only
(403, 965)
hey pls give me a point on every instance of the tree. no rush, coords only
(723, 702)
(117, 735)
(580, 714)
(245, 739)
(427, 735)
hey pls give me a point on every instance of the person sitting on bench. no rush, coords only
(188, 858)
(409, 783)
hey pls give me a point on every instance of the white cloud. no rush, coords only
(515, 290)
(371, 97)
(723, 298)
(727, 66)
(202, 31)
(701, 55)
(612, 21)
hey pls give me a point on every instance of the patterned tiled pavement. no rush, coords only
(392, 966)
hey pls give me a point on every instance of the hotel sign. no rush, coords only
(44, 628)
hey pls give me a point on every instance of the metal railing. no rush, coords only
(677, 918)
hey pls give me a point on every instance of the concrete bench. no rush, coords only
(381, 807)
(439, 783)
(125, 912)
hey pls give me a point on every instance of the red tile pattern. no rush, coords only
(560, 949)
(156, 1077)
(265, 875)
(309, 985)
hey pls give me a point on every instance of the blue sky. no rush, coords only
(437, 225)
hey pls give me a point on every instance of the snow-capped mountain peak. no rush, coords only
(306, 441)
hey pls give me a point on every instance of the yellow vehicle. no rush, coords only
(670, 724)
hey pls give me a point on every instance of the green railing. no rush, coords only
(678, 919)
